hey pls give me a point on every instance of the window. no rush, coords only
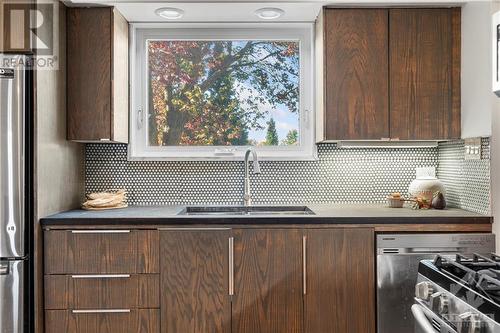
(205, 92)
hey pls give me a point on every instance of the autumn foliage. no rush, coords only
(214, 92)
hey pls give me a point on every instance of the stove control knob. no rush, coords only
(470, 322)
(424, 290)
(439, 302)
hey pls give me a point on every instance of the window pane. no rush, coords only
(223, 93)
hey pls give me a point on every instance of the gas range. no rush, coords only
(458, 294)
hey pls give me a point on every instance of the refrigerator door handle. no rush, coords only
(4, 269)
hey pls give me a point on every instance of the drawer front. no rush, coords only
(113, 321)
(101, 251)
(101, 291)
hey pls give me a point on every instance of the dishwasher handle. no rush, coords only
(421, 320)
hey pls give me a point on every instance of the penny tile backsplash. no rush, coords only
(361, 175)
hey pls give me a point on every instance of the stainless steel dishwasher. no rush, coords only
(398, 256)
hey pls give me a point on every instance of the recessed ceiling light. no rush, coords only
(269, 13)
(170, 13)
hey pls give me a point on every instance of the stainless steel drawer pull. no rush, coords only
(193, 229)
(101, 276)
(304, 262)
(102, 311)
(100, 231)
(231, 266)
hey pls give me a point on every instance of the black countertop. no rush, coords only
(324, 214)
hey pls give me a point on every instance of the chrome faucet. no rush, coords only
(247, 198)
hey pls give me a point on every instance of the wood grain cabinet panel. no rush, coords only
(356, 81)
(102, 292)
(97, 75)
(425, 73)
(267, 281)
(100, 251)
(135, 321)
(340, 277)
(195, 281)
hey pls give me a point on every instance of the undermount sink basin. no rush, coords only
(246, 210)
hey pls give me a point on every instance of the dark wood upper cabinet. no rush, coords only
(392, 73)
(356, 80)
(425, 73)
(194, 281)
(97, 75)
(340, 281)
(267, 281)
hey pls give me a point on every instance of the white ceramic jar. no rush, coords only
(426, 183)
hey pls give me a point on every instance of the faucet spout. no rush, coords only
(247, 198)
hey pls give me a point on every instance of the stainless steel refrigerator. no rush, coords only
(14, 106)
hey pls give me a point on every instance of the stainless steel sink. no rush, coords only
(246, 210)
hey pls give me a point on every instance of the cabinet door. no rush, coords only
(267, 281)
(425, 73)
(356, 82)
(89, 86)
(194, 284)
(340, 281)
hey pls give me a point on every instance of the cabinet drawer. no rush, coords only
(101, 251)
(102, 291)
(97, 321)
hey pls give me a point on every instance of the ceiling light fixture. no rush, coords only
(170, 13)
(269, 13)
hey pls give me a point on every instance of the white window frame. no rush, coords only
(140, 33)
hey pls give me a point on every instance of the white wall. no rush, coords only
(476, 69)
(495, 152)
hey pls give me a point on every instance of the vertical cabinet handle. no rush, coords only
(304, 263)
(231, 266)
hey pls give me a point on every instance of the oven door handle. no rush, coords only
(421, 319)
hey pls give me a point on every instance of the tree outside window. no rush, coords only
(223, 93)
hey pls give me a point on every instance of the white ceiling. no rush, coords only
(238, 10)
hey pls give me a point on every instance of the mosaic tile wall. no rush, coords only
(338, 176)
(467, 182)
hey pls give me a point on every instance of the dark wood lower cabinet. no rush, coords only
(194, 282)
(267, 281)
(102, 291)
(340, 276)
(135, 321)
(212, 280)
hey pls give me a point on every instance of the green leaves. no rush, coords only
(272, 135)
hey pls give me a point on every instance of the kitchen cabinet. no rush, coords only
(391, 73)
(357, 87)
(267, 281)
(123, 321)
(198, 279)
(195, 280)
(340, 280)
(425, 73)
(101, 281)
(97, 75)
(15, 32)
